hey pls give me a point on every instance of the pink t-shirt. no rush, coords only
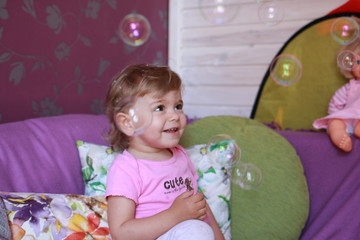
(152, 185)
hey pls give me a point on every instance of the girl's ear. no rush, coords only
(124, 123)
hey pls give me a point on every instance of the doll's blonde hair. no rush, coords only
(136, 81)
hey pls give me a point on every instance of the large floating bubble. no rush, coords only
(285, 70)
(224, 150)
(270, 13)
(247, 176)
(219, 11)
(348, 60)
(345, 30)
(134, 29)
(139, 112)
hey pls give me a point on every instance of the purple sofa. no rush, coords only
(332, 176)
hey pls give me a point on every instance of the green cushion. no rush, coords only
(278, 208)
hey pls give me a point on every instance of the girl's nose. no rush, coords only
(174, 115)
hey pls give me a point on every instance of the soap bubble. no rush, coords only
(285, 70)
(247, 176)
(270, 13)
(134, 29)
(219, 11)
(345, 30)
(348, 60)
(224, 150)
(139, 112)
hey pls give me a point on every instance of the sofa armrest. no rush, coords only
(333, 181)
(40, 154)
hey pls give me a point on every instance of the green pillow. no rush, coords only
(278, 208)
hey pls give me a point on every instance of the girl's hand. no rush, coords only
(189, 206)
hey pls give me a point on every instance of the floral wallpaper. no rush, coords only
(58, 57)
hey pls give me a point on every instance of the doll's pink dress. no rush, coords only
(348, 94)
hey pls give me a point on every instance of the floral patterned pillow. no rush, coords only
(4, 223)
(56, 216)
(95, 161)
(214, 179)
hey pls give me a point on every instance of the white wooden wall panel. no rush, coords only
(227, 74)
(229, 55)
(222, 66)
(248, 11)
(233, 35)
(210, 110)
(216, 97)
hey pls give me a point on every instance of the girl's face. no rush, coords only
(167, 126)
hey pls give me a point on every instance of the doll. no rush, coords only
(344, 107)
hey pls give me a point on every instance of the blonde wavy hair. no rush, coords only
(135, 81)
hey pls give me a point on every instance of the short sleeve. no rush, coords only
(123, 179)
(189, 162)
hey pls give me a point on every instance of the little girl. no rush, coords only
(148, 190)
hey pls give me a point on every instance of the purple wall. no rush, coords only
(57, 57)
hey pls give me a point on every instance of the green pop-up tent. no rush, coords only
(297, 105)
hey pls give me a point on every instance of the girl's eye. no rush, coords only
(179, 107)
(159, 108)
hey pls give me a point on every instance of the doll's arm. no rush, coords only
(339, 99)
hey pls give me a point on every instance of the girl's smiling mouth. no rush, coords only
(171, 130)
